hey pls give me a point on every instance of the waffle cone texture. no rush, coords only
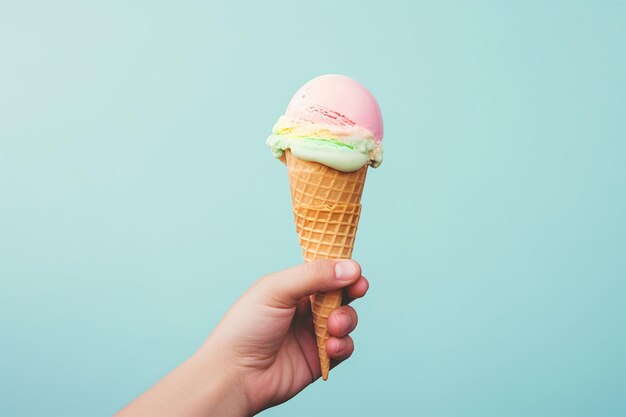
(326, 207)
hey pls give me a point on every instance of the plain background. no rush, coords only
(138, 198)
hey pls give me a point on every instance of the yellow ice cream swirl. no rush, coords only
(344, 148)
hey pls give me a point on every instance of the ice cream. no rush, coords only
(332, 120)
(329, 135)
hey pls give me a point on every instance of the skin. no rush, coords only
(263, 352)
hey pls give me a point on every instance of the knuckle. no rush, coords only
(318, 269)
(354, 317)
(261, 286)
(350, 343)
(349, 346)
(265, 281)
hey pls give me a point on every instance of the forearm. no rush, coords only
(199, 387)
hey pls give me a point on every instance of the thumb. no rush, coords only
(284, 289)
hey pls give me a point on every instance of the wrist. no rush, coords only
(222, 391)
(201, 386)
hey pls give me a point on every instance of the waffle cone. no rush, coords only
(326, 206)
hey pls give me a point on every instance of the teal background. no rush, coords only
(138, 199)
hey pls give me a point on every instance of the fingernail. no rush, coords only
(346, 270)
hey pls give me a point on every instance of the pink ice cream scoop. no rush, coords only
(337, 100)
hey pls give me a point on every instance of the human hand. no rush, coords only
(267, 337)
(264, 351)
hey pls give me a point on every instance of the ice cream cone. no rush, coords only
(329, 135)
(326, 206)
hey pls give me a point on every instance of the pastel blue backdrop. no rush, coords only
(138, 199)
